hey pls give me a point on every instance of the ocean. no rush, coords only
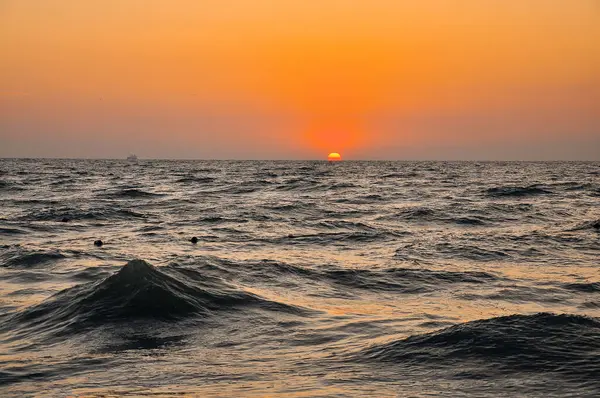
(308, 278)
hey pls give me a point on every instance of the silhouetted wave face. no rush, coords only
(284, 278)
(141, 291)
(563, 344)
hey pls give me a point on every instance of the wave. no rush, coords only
(74, 214)
(326, 238)
(343, 224)
(298, 184)
(593, 225)
(468, 221)
(195, 180)
(542, 342)
(417, 213)
(592, 287)
(140, 291)
(516, 191)
(133, 193)
(447, 250)
(221, 220)
(363, 199)
(289, 207)
(400, 175)
(236, 189)
(400, 280)
(63, 181)
(520, 294)
(425, 214)
(8, 186)
(574, 186)
(90, 274)
(405, 280)
(11, 231)
(590, 304)
(19, 258)
(338, 186)
(307, 168)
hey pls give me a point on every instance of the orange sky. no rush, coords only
(252, 79)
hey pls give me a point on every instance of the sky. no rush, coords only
(274, 79)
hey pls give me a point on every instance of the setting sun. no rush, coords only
(334, 157)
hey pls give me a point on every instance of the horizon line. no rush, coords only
(302, 160)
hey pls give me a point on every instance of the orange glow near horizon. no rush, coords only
(264, 78)
(341, 133)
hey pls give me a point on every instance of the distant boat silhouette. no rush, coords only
(132, 158)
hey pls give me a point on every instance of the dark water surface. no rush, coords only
(308, 279)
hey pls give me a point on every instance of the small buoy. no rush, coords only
(98, 243)
(65, 219)
(194, 240)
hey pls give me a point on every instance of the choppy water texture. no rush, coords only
(308, 279)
